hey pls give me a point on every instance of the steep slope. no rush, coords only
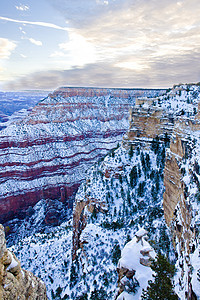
(47, 153)
(181, 203)
(122, 192)
(16, 283)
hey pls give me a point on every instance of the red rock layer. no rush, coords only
(52, 147)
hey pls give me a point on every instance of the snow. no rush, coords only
(45, 254)
(126, 296)
(13, 263)
(130, 259)
(195, 260)
(141, 232)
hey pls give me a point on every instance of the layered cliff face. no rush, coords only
(47, 153)
(14, 106)
(123, 191)
(151, 126)
(181, 203)
(16, 283)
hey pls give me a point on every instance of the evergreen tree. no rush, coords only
(143, 161)
(141, 189)
(148, 163)
(116, 253)
(166, 140)
(98, 294)
(130, 151)
(155, 144)
(82, 297)
(94, 212)
(133, 176)
(161, 288)
(74, 273)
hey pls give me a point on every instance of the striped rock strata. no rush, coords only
(47, 153)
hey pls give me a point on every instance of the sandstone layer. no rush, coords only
(45, 155)
(16, 283)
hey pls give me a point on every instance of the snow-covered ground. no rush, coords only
(130, 184)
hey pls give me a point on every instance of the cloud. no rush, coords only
(22, 7)
(123, 43)
(37, 43)
(78, 51)
(164, 72)
(85, 12)
(129, 27)
(43, 24)
(6, 48)
(130, 35)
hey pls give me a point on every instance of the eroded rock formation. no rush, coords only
(172, 116)
(178, 199)
(47, 153)
(134, 266)
(16, 283)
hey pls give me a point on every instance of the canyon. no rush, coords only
(171, 120)
(146, 182)
(45, 155)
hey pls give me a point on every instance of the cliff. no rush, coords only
(124, 191)
(180, 200)
(168, 120)
(16, 283)
(45, 155)
(118, 196)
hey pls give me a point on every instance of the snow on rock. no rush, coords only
(195, 260)
(135, 257)
(16, 283)
(141, 232)
(13, 263)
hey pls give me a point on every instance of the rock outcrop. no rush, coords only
(170, 120)
(45, 155)
(133, 268)
(147, 123)
(16, 283)
(180, 207)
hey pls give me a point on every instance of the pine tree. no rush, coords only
(155, 144)
(116, 253)
(98, 294)
(130, 152)
(161, 288)
(133, 176)
(94, 212)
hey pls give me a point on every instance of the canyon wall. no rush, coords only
(16, 283)
(46, 154)
(180, 201)
(171, 120)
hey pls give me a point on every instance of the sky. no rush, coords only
(45, 44)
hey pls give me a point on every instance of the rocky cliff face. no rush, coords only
(151, 125)
(180, 201)
(123, 191)
(16, 283)
(47, 153)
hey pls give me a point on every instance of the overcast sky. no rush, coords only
(45, 44)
